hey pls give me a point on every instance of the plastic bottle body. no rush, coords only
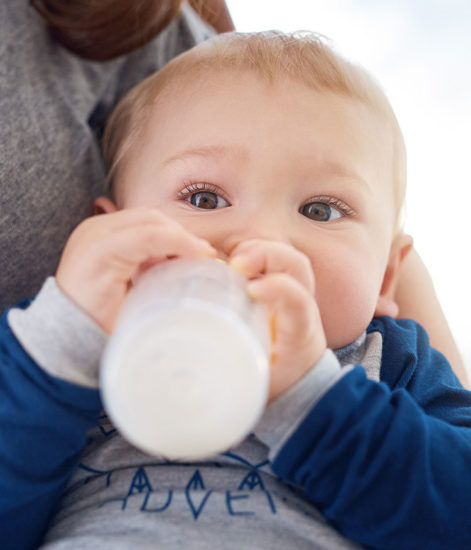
(185, 373)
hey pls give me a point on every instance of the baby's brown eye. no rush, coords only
(204, 199)
(318, 211)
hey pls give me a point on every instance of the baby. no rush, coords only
(274, 153)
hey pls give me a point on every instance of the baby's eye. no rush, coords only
(203, 195)
(321, 211)
(208, 200)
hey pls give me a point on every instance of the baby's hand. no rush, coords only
(105, 252)
(281, 277)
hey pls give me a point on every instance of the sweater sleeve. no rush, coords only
(43, 425)
(388, 463)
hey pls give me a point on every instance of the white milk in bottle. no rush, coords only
(185, 373)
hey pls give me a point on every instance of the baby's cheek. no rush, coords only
(346, 296)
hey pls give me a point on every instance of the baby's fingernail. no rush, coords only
(253, 289)
(238, 263)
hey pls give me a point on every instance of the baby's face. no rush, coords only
(237, 159)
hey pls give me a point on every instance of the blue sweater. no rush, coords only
(388, 463)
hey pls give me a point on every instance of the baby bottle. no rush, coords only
(185, 372)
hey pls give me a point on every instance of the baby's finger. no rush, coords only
(121, 219)
(100, 225)
(260, 257)
(294, 310)
(299, 338)
(123, 252)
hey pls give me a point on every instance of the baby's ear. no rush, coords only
(386, 304)
(103, 205)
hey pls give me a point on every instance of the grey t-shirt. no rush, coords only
(52, 106)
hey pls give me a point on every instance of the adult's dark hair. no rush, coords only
(100, 30)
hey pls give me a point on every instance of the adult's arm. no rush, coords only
(418, 300)
(43, 425)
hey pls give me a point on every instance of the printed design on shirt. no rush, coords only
(199, 492)
(195, 493)
(105, 426)
(94, 474)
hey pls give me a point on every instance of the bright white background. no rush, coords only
(420, 51)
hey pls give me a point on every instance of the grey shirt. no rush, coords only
(52, 108)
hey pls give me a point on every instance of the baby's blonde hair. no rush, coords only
(303, 56)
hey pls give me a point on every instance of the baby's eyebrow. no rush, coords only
(337, 169)
(208, 151)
